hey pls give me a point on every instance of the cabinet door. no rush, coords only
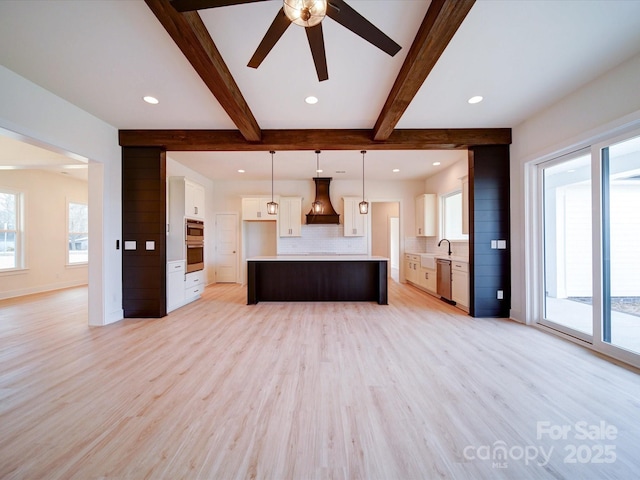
(354, 221)
(460, 287)
(419, 216)
(175, 285)
(465, 204)
(290, 216)
(251, 209)
(413, 266)
(428, 279)
(426, 215)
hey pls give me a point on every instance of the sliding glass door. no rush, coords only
(621, 244)
(590, 237)
(568, 285)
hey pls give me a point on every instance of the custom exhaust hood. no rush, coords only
(322, 212)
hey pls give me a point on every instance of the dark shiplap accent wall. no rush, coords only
(144, 283)
(490, 269)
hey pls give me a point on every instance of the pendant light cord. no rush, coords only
(272, 152)
(363, 152)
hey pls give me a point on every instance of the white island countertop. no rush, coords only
(317, 258)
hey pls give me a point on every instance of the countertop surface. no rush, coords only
(316, 258)
(453, 258)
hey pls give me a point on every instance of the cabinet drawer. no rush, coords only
(193, 291)
(194, 278)
(175, 267)
(460, 266)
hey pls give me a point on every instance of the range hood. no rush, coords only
(324, 214)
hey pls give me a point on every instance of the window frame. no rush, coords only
(19, 253)
(462, 237)
(69, 263)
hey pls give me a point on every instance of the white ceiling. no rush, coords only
(522, 56)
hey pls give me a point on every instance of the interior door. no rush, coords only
(226, 247)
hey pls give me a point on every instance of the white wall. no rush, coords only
(29, 112)
(45, 219)
(610, 104)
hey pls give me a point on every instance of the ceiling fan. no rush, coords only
(308, 14)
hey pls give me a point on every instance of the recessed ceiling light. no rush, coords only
(570, 171)
(435, 164)
(476, 99)
(151, 100)
(319, 170)
(240, 171)
(311, 100)
(395, 170)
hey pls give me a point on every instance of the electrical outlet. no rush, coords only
(500, 295)
(502, 244)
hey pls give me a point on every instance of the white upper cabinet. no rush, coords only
(426, 215)
(465, 204)
(194, 200)
(355, 223)
(290, 216)
(186, 199)
(255, 208)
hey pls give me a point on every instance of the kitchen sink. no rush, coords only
(428, 260)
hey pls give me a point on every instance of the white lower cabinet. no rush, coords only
(411, 268)
(428, 279)
(175, 284)
(460, 284)
(193, 285)
(182, 288)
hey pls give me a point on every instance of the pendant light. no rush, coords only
(317, 206)
(272, 207)
(364, 206)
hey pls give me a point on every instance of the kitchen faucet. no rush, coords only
(448, 242)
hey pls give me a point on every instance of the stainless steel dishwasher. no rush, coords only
(444, 279)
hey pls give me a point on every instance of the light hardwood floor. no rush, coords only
(222, 390)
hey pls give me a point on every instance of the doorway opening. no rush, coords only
(385, 234)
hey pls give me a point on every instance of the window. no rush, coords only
(452, 216)
(78, 251)
(10, 238)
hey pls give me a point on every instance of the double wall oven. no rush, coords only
(194, 239)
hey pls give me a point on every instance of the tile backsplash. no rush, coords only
(322, 239)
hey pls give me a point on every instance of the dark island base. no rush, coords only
(317, 281)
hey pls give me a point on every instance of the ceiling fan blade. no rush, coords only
(349, 18)
(316, 42)
(277, 28)
(189, 5)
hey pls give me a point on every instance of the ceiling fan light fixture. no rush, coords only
(305, 13)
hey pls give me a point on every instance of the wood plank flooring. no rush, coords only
(221, 390)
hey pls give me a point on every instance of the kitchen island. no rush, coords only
(317, 278)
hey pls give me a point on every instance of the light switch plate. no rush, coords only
(494, 244)
(130, 245)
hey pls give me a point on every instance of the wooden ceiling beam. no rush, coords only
(281, 140)
(192, 37)
(438, 27)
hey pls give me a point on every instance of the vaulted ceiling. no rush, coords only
(105, 55)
